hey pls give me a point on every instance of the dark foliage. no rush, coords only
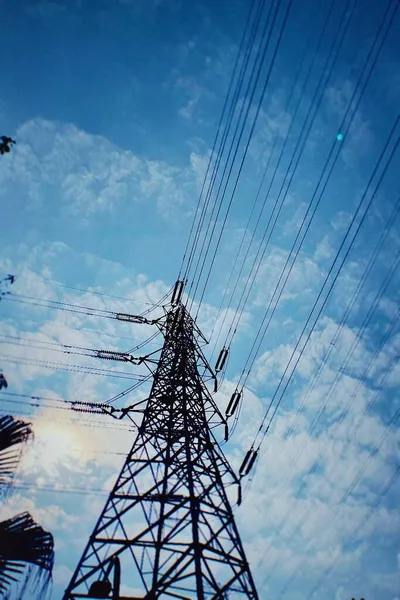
(13, 433)
(6, 144)
(3, 382)
(25, 545)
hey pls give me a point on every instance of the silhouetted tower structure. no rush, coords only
(167, 530)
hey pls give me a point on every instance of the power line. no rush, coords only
(234, 103)
(352, 397)
(271, 153)
(366, 71)
(59, 419)
(225, 133)
(356, 294)
(67, 306)
(355, 532)
(82, 329)
(367, 319)
(264, 36)
(331, 153)
(390, 369)
(63, 348)
(98, 293)
(35, 398)
(82, 491)
(307, 125)
(353, 485)
(323, 173)
(335, 277)
(57, 305)
(258, 108)
(68, 367)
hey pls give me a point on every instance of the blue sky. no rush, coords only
(114, 106)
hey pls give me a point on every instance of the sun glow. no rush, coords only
(56, 441)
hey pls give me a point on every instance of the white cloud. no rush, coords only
(300, 533)
(271, 365)
(358, 140)
(293, 224)
(86, 174)
(323, 250)
(295, 532)
(303, 278)
(193, 93)
(51, 517)
(62, 575)
(273, 122)
(341, 221)
(199, 165)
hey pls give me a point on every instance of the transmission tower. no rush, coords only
(167, 530)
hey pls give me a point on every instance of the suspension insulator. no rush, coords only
(226, 432)
(175, 320)
(251, 462)
(81, 406)
(239, 500)
(245, 461)
(111, 355)
(89, 407)
(223, 355)
(215, 385)
(233, 403)
(129, 318)
(177, 293)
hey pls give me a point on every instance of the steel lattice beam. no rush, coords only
(167, 523)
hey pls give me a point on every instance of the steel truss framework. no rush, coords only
(167, 528)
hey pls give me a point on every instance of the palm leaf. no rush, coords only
(13, 433)
(26, 553)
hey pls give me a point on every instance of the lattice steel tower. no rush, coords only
(167, 530)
